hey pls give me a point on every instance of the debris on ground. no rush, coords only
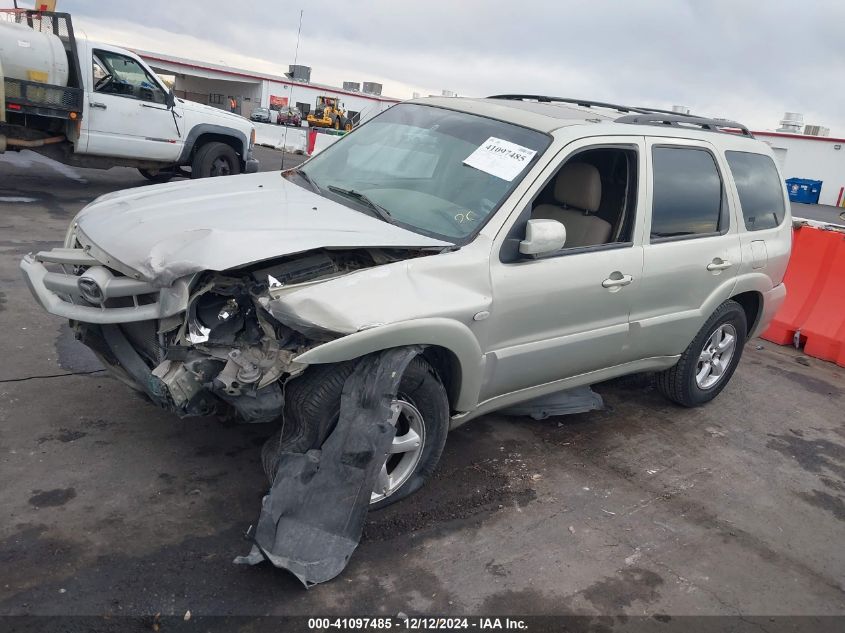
(576, 400)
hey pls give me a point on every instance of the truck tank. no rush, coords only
(30, 55)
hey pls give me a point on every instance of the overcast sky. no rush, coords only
(750, 60)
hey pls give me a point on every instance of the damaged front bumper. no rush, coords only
(121, 299)
(230, 357)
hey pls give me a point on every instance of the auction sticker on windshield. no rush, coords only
(500, 158)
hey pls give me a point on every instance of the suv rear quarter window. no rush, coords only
(760, 189)
(688, 198)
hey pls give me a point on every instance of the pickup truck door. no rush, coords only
(566, 314)
(126, 115)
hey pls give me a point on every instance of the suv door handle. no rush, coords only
(97, 104)
(617, 280)
(719, 264)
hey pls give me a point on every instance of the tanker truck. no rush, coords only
(100, 106)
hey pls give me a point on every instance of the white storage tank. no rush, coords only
(32, 56)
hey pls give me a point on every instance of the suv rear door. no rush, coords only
(691, 251)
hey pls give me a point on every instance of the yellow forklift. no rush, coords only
(329, 113)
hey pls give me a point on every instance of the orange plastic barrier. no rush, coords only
(815, 297)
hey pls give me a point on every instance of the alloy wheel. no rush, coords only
(715, 357)
(405, 450)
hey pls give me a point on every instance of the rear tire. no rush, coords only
(694, 380)
(215, 159)
(313, 406)
(156, 176)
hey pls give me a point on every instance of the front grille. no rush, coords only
(106, 296)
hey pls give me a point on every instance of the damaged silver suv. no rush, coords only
(524, 245)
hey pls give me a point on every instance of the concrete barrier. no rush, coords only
(319, 139)
(813, 313)
(291, 139)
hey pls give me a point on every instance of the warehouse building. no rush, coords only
(806, 152)
(217, 85)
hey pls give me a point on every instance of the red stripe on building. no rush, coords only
(265, 78)
(805, 137)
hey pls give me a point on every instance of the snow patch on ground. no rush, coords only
(28, 159)
(16, 199)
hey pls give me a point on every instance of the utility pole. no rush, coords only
(291, 102)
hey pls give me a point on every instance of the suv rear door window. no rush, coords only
(688, 197)
(760, 189)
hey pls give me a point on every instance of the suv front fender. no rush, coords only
(449, 334)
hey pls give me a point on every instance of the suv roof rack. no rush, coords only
(723, 126)
(642, 116)
(581, 102)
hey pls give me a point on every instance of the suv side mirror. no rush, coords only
(170, 99)
(542, 237)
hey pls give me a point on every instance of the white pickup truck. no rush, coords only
(99, 106)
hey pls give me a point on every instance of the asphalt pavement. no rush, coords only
(819, 212)
(110, 506)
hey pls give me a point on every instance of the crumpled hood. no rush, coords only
(168, 231)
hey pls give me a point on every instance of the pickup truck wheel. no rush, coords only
(707, 364)
(157, 176)
(313, 407)
(215, 159)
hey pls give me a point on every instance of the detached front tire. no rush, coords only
(215, 159)
(707, 364)
(313, 408)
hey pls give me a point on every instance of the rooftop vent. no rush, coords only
(816, 130)
(299, 73)
(372, 88)
(680, 109)
(791, 122)
(352, 86)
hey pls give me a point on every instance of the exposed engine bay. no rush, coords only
(228, 354)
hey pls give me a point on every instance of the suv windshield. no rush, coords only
(434, 171)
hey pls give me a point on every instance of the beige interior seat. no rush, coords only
(578, 195)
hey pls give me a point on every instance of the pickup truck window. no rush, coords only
(120, 75)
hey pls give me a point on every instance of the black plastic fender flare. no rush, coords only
(209, 128)
(313, 516)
